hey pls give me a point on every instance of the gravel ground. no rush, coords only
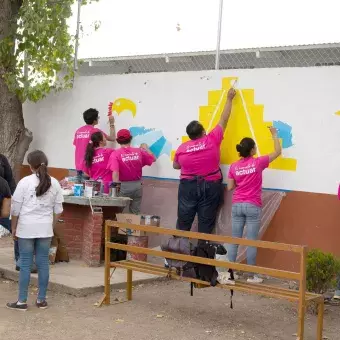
(162, 310)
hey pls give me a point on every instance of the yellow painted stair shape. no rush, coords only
(239, 126)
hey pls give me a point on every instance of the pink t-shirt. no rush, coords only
(129, 162)
(99, 169)
(247, 174)
(201, 157)
(80, 141)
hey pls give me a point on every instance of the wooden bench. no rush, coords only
(300, 296)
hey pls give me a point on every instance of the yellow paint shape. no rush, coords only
(124, 104)
(337, 113)
(238, 126)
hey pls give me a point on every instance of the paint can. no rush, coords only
(151, 220)
(137, 241)
(92, 188)
(114, 189)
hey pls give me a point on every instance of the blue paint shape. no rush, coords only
(285, 133)
(149, 138)
(157, 147)
(158, 144)
(139, 130)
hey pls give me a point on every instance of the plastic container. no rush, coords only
(138, 241)
(78, 190)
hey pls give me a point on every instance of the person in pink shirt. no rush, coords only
(96, 160)
(126, 165)
(83, 134)
(245, 176)
(201, 190)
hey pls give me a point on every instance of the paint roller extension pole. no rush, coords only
(219, 31)
(76, 45)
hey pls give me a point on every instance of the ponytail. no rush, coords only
(96, 139)
(38, 162)
(44, 180)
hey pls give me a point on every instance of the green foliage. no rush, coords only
(322, 270)
(38, 53)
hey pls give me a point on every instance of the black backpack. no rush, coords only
(205, 249)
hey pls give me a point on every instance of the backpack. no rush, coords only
(180, 245)
(209, 273)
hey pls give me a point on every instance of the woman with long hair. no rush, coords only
(36, 206)
(245, 176)
(96, 160)
(126, 165)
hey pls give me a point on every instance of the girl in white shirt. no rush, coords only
(36, 205)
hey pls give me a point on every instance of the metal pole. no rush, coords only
(76, 46)
(219, 29)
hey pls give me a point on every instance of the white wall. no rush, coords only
(306, 99)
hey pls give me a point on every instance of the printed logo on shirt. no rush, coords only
(98, 158)
(133, 156)
(196, 147)
(246, 170)
(83, 134)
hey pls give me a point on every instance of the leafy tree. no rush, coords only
(36, 57)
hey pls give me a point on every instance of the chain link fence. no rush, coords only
(297, 56)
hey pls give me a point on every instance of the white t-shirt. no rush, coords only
(36, 213)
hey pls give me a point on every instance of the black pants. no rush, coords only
(201, 197)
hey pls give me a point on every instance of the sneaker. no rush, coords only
(17, 306)
(41, 304)
(255, 279)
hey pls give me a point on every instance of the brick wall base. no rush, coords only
(83, 232)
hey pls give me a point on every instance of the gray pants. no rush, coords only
(133, 190)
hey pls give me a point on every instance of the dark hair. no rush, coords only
(195, 130)
(38, 162)
(244, 148)
(123, 141)
(90, 116)
(94, 142)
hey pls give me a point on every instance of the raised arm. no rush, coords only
(277, 146)
(227, 109)
(112, 136)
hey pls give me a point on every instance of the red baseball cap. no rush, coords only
(123, 134)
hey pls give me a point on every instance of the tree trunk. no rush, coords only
(14, 137)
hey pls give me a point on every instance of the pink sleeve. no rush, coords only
(147, 159)
(74, 138)
(339, 192)
(263, 162)
(231, 172)
(216, 134)
(108, 151)
(113, 164)
(98, 130)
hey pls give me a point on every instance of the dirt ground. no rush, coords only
(162, 310)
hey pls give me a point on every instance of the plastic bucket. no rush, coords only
(137, 241)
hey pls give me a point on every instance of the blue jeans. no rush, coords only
(245, 214)
(27, 246)
(6, 223)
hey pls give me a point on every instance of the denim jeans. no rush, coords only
(6, 223)
(27, 246)
(245, 214)
(201, 197)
